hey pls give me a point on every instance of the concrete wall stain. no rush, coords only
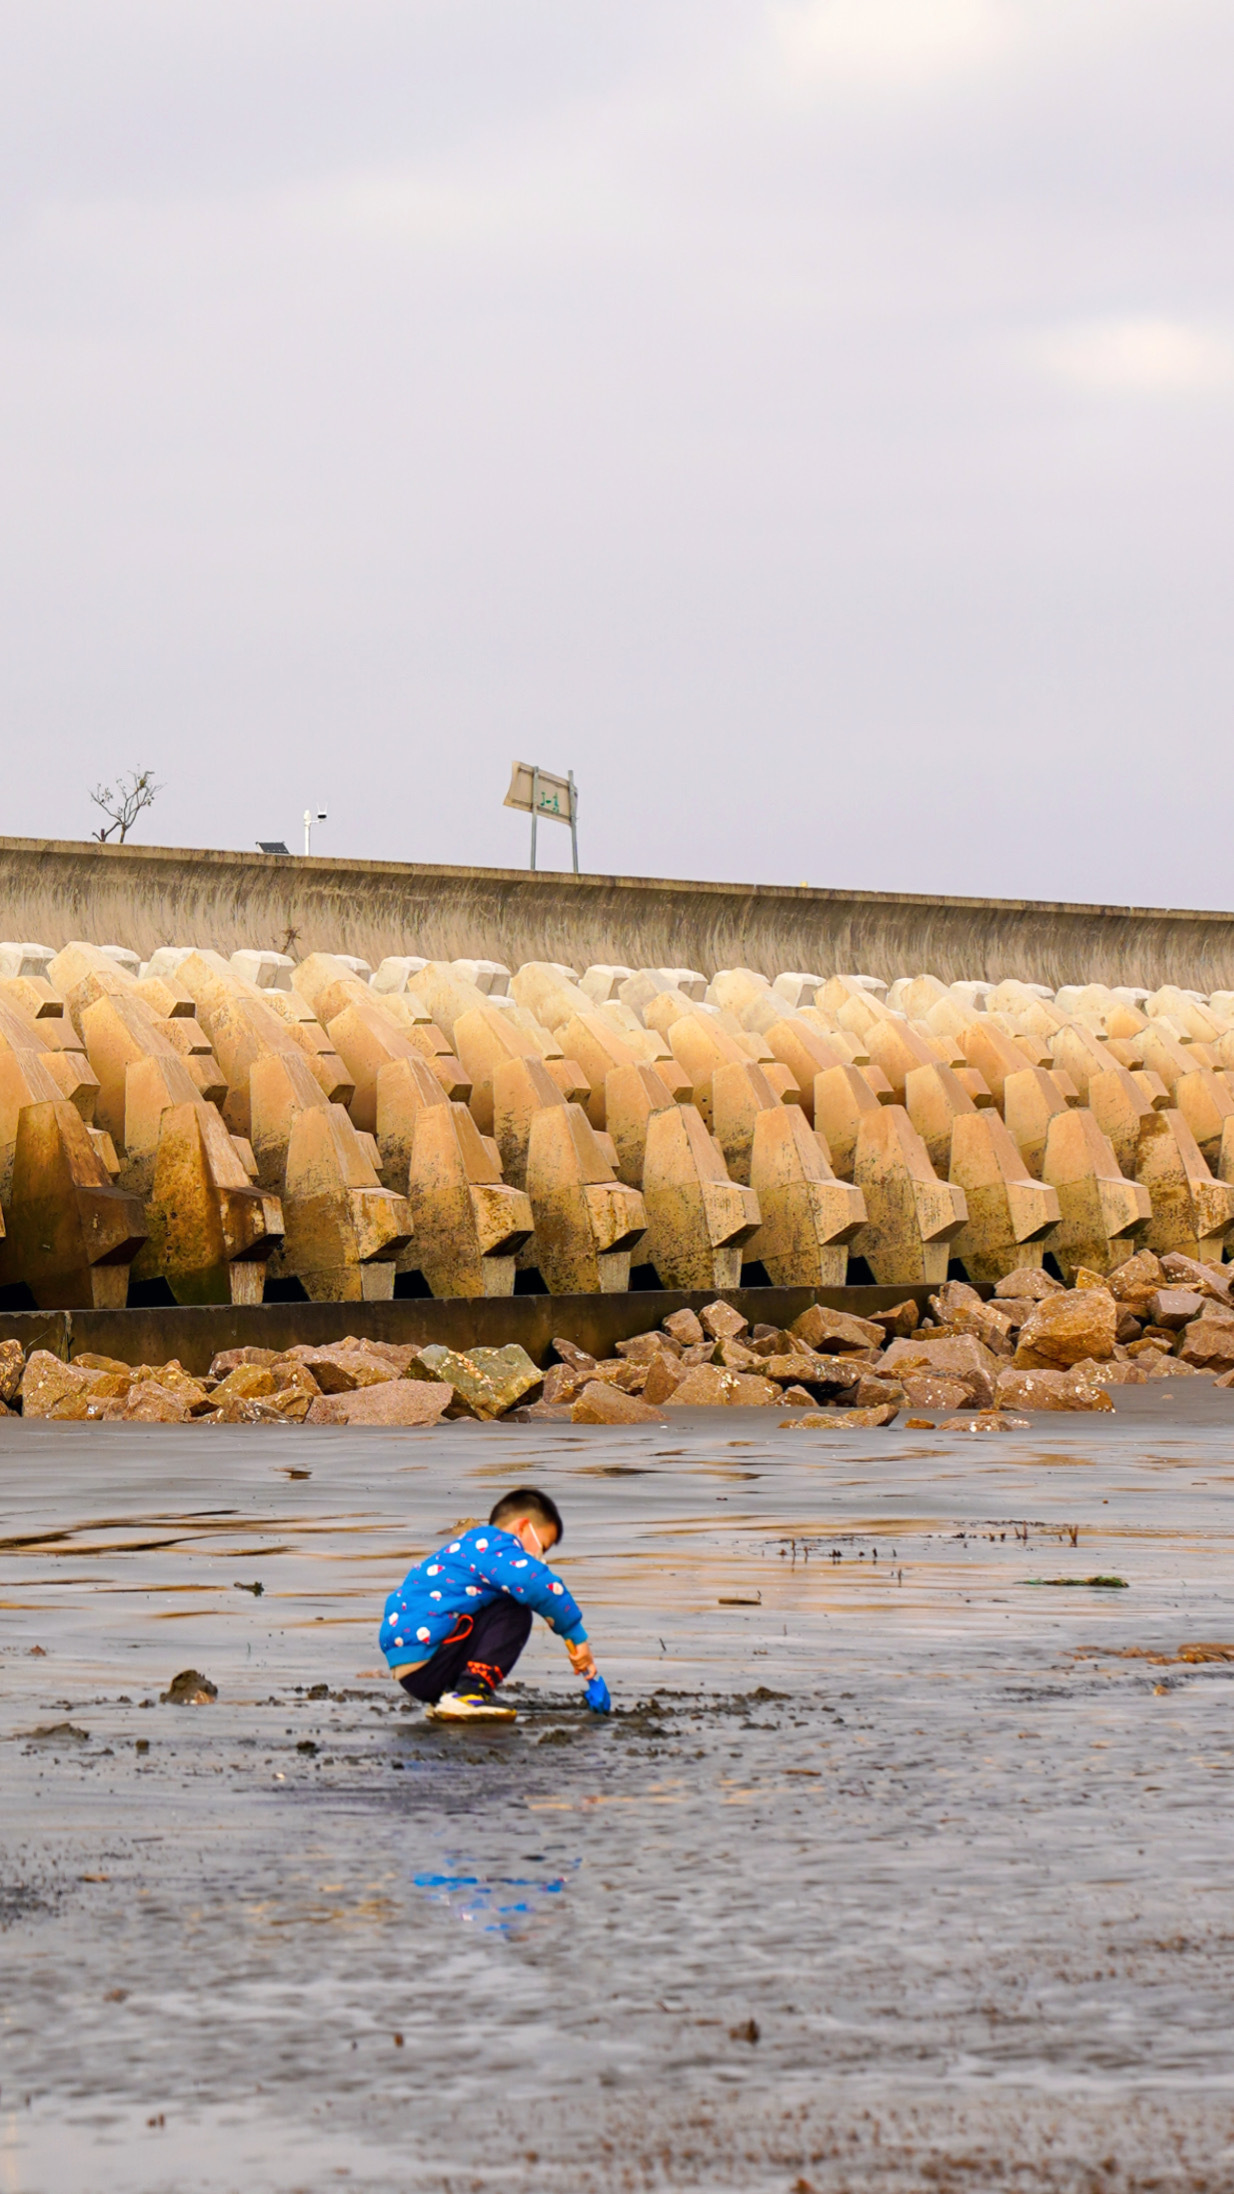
(53, 891)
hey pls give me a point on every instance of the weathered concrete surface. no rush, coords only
(55, 890)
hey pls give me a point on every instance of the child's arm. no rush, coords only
(582, 1659)
(503, 1563)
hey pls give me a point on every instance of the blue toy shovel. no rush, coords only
(597, 1695)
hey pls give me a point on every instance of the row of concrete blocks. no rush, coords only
(210, 1122)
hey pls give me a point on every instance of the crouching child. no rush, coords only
(455, 1627)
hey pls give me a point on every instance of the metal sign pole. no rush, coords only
(573, 818)
(535, 802)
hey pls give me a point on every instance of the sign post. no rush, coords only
(540, 793)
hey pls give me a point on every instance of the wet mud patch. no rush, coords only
(22, 1901)
(878, 1877)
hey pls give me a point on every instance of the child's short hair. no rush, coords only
(529, 1501)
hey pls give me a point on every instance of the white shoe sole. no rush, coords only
(461, 1713)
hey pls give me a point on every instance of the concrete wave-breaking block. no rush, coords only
(698, 1220)
(912, 1216)
(1191, 1212)
(343, 1229)
(632, 1094)
(843, 1098)
(71, 1234)
(1011, 1216)
(210, 1230)
(33, 1073)
(807, 1217)
(1104, 1216)
(469, 1224)
(586, 1221)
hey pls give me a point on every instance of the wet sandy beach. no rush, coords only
(900, 1865)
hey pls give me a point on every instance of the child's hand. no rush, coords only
(581, 1658)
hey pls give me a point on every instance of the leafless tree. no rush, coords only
(124, 804)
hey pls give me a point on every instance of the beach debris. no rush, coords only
(189, 1688)
(57, 1733)
(1102, 1583)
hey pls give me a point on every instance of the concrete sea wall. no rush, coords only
(195, 1334)
(53, 891)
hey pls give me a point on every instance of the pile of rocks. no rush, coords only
(352, 1381)
(1033, 1345)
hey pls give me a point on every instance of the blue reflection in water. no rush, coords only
(485, 1899)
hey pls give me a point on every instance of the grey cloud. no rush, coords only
(818, 439)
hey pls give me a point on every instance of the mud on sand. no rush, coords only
(899, 1866)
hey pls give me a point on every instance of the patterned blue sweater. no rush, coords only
(461, 1578)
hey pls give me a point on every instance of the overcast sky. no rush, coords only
(810, 422)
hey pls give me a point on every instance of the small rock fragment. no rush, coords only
(563, 1381)
(871, 1391)
(12, 1364)
(345, 1366)
(953, 1356)
(486, 1381)
(190, 1688)
(985, 1420)
(831, 1332)
(932, 1390)
(247, 1383)
(797, 1366)
(720, 1322)
(663, 1377)
(1066, 1327)
(228, 1358)
(152, 1404)
(902, 1318)
(1174, 1307)
(828, 1420)
(601, 1403)
(1046, 1389)
(645, 1347)
(576, 1357)
(51, 1388)
(708, 1386)
(684, 1327)
(1028, 1280)
(393, 1402)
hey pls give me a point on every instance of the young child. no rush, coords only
(455, 1627)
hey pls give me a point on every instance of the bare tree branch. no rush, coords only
(125, 803)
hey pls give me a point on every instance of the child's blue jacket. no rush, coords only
(461, 1578)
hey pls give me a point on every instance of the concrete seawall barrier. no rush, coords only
(54, 891)
(195, 1334)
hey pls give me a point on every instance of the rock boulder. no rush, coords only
(600, 1403)
(1064, 1328)
(487, 1381)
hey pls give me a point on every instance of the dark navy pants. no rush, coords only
(485, 1645)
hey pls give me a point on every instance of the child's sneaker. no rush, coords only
(475, 1703)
